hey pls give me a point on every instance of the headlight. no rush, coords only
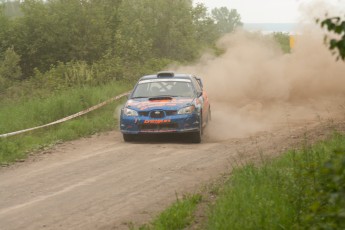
(186, 110)
(130, 112)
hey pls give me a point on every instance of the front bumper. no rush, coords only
(170, 124)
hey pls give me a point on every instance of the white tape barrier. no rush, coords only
(67, 118)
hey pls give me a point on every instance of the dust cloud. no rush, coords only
(253, 86)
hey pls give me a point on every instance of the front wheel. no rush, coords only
(128, 137)
(196, 136)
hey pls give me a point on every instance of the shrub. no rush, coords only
(327, 211)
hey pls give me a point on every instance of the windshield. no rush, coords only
(166, 87)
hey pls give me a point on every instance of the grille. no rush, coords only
(158, 126)
(167, 113)
(157, 114)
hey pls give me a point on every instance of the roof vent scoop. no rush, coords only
(165, 74)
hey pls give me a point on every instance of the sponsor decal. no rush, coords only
(157, 121)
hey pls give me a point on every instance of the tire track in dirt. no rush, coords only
(103, 183)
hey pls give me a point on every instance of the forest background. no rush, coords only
(57, 43)
(58, 57)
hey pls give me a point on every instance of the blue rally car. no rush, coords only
(166, 103)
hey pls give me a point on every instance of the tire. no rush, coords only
(196, 136)
(128, 137)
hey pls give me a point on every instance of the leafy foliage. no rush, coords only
(9, 68)
(301, 190)
(206, 31)
(12, 8)
(283, 40)
(131, 33)
(226, 20)
(337, 26)
(328, 209)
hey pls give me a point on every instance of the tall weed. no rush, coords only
(300, 190)
(27, 113)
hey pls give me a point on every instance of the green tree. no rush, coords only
(226, 20)
(80, 29)
(206, 30)
(181, 42)
(283, 40)
(337, 26)
(62, 31)
(173, 30)
(157, 28)
(134, 38)
(4, 28)
(9, 67)
(12, 8)
(136, 34)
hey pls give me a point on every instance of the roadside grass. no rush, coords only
(285, 193)
(178, 216)
(26, 113)
(302, 189)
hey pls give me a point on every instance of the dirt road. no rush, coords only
(103, 183)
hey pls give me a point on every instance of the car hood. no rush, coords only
(144, 104)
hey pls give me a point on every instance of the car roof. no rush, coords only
(159, 76)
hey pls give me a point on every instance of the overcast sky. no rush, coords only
(265, 11)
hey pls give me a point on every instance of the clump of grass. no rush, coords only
(30, 112)
(178, 216)
(27, 113)
(251, 199)
(281, 194)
